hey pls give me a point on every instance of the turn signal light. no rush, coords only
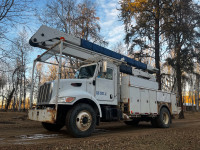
(69, 99)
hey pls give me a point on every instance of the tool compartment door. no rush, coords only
(174, 104)
(134, 100)
(153, 102)
(144, 106)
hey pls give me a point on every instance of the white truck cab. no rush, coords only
(109, 88)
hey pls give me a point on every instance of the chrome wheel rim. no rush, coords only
(83, 120)
(165, 118)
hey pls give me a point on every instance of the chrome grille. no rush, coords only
(44, 94)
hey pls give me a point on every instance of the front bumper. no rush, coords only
(42, 115)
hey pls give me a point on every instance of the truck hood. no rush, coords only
(69, 81)
(68, 85)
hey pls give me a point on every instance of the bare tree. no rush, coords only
(15, 82)
(74, 18)
(18, 54)
(119, 48)
(12, 13)
(23, 48)
(2, 85)
(88, 21)
(60, 14)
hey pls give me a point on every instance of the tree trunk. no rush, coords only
(192, 97)
(157, 45)
(14, 102)
(9, 98)
(20, 96)
(197, 93)
(2, 103)
(24, 100)
(178, 77)
(24, 89)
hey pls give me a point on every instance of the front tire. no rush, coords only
(81, 120)
(52, 127)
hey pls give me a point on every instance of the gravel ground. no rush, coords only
(16, 132)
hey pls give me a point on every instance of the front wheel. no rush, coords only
(81, 120)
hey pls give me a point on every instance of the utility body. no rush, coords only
(108, 87)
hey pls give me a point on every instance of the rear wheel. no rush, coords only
(164, 119)
(52, 127)
(81, 120)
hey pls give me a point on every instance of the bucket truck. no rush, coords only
(110, 87)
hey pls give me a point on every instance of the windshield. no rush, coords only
(85, 72)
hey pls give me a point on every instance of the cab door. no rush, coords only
(105, 85)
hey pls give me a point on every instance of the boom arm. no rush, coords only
(46, 37)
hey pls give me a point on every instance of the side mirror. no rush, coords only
(104, 66)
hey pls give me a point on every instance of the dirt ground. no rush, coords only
(16, 132)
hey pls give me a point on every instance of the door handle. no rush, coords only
(94, 82)
(111, 96)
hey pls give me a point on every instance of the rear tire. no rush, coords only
(52, 127)
(81, 120)
(164, 119)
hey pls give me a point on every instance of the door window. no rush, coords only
(106, 75)
(86, 72)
